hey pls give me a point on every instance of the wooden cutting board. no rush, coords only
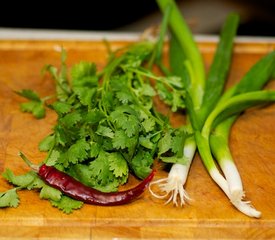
(209, 215)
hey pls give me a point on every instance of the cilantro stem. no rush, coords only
(152, 76)
(106, 80)
(47, 98)
(141, 106)
(157, 53)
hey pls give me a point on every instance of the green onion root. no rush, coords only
(173, 186)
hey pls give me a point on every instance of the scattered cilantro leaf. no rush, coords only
(35, 105)
(9, 198)
(67, 204)
(37, 182)
(29, 94)
(20, 181)
(48, 192)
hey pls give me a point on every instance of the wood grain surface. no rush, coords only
(209, 216)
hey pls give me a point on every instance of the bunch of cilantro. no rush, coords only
(107, 124)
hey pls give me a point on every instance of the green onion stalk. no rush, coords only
(186, 62)
(213, 139)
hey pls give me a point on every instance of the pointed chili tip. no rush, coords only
(150, 176)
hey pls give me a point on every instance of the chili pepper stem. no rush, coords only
(28, 162)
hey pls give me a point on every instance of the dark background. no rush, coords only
(204, 16)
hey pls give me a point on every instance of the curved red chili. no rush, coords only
(76, 190)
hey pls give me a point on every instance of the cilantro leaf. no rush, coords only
(127, 121)
(34, 107)
(132, 126)
(100, 169)
(85, 82)
(47, 143)
(53, 157)
(67, 204)
(35, 104)
(103, 175)
(62, 86)
(164, 143)
(124, 96)
(177, 102)
(82, 173)
(118, 164)
(70, 119)
(174, 159)
(120, 140)
(86, 95)
(164, 93)
(94, 116)
(148, 90)
(60, 135)
(178, 143)
(78, 152)
(81, 70)
(105, 131)
(141, 164)
(145, 141)
(175, 81)
(149, 124)
(94, 149)
(9, 198)
(20, 181)
(48, 192)
(29, 94)
(118, 117)
(29, 180)
(37, 182)
(62, 107)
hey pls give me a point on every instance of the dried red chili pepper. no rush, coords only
(75, 189)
